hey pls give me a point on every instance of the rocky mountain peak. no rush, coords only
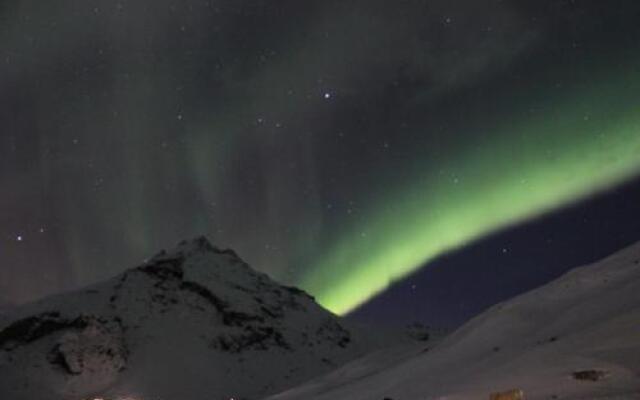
(196, 313)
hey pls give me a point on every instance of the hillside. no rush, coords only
(577, 337)
(192, 323)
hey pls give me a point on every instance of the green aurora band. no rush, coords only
(582, 142)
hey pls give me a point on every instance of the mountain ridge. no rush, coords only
(575, 337)
(195, 314)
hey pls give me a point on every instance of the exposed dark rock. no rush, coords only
(334, 332)
(29, 329)
(228, 252)
(76, 345)
(551, 339)
(295, 290)
(418, 331)
(236, 318)
(98, 346)
(270, 313)
(205, 293)
(592, 375)
(56, 357)
(254, 338)
(166, 268)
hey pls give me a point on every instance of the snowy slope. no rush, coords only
(194, 323)
(577, 337)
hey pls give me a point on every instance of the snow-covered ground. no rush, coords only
(197, 323)
(192, 324)
(577, 337)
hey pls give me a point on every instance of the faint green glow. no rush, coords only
(583, 143)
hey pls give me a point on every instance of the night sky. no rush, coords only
(455, 153)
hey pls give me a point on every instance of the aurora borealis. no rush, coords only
(577, 145)
(338, 146)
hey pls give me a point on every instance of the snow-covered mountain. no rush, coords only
(193, 323)
(577, 337)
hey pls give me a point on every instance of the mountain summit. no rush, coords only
(192, 323)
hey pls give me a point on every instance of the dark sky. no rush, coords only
(336, 145)
(459, 285)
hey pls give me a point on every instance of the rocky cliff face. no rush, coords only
(192, 323)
